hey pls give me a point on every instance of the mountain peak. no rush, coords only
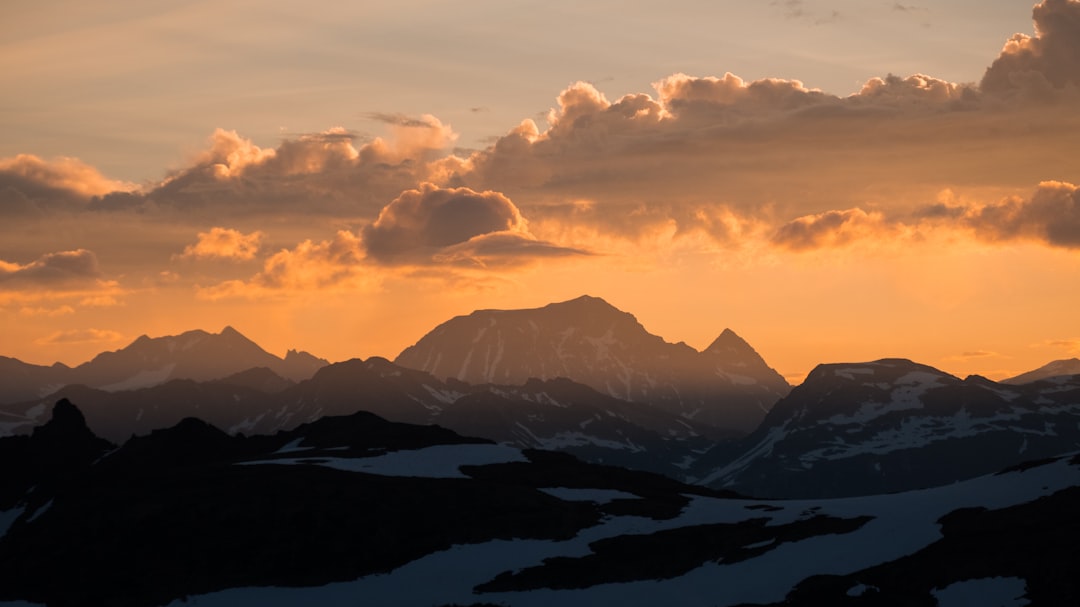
(67, 427)
(588, 340)
(1057, 368)
(583, 301)
(728, 341)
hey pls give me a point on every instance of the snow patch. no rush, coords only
(904, 523)
(440, 461)
(851, 372)
(292, 446)
(599, 496)
(985, 592)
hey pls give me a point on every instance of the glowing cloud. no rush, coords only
(224, 243)
(1050, 216)
(451, 224)
(1049, 59)
(830, 229)
(80, 336)
(70, 174)
(63, 268)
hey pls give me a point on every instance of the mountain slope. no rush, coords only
(1057, 368)
(556, 414)
(591, 342)
(892, 425)
(358, 510)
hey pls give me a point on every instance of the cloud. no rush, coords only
(974, 354)
(310, 266)
(322, 173)
(43, 311)
(1072, 345)
(501, 249)
(31, 186)
(62, 173)
(64, 268)
(1049, 59)
(433, 224)
(1050, 216)
(223, 243)
(80, 336)
(830, 229)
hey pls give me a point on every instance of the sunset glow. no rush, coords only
(832, 181)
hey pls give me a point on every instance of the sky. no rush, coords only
(833, 180)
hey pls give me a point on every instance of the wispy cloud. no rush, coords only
(80, 336)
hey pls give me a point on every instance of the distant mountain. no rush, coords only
(1057, 368)
(195, 355)
(893, 425)
(589, 341)
(359, 510)
(558, 414)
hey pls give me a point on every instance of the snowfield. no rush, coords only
(901, 525)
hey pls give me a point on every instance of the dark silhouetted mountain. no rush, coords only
(190, 509)
(893, 425)
(146, 362)
(1057, 368)
(258, 378)
(591, 342)
(361, 510)
(50, 457)
(554, 414)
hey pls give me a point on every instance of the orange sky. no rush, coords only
(915, 217)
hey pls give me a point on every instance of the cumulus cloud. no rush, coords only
(440, 224)
(310, 266)
(830, 229)
(224, 243)
(80, 336)
(63, 173)
(1049, 59)
(1051, 216)
(31, 186)
(63, 268)
(327, 172)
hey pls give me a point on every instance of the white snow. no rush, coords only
(984, 592)
(443, 396)
(906, 394)
(41, 510)
(762, 449)
(142, 379)
(600, 496)
(904, 523)
(440, 461)
(292, 446)
(860, 589)
(851, 372)
(919, 431)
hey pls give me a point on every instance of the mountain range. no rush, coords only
(195, 355)
(360, 510)
(528, 457)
